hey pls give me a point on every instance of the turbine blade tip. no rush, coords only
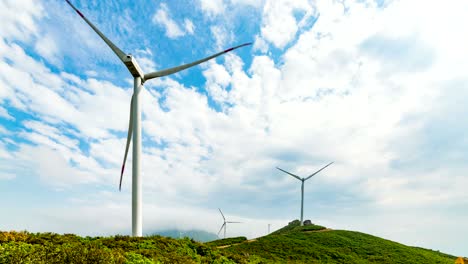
(233, 48)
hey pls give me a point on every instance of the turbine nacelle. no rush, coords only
(133, 67)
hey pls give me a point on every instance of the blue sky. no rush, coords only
(375, 86)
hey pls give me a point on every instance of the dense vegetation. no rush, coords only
(291, 244)
(227, 241)
(24, 247)
(315, 244)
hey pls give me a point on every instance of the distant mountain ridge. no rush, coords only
(197, 235)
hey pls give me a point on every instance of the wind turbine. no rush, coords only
(225, 224)
(302, 186)
(134, 127)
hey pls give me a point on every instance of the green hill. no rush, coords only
(291, 244)
(316, 244)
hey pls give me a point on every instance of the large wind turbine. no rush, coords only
(225, 224)
(302, 186)
(134, 127)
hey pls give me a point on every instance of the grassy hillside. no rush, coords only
(227, 241)
(315, 244)
(291, 244)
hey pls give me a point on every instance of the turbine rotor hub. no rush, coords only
(133, 67)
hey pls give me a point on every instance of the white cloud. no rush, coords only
(92, 74)
(4, 113)
(18, 19)
(52, 133)
(189, 27)
(251, 3)
(162, 17)
(47, 48)
(145, 60)
(217, 79)
(221, 35)
(3, 130)
(282, 20)
(212, 7)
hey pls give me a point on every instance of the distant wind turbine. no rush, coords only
(134, 127)
(302, 186)
(225, 224)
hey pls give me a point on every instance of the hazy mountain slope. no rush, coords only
(197, 235)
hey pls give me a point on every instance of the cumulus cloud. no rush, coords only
(282, 20)
(189, 27)
(163, 18)
(222, 7)
(212, 7)
(19, 19)
(221, 35)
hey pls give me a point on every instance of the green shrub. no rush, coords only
(226, 241)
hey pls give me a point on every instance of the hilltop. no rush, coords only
(291, 244)
(317, 244)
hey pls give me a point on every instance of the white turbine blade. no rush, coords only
(295, 176)
(188, 65)
(222, 214)
(109, 43)
(129, 138)
(221, 228)
(318, 171)
(234, 222)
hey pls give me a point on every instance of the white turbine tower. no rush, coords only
(302, 186)
(134, 127)
(225, 224)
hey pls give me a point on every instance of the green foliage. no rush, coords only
(134, 258)
(24, 247)
(227, 241)
(295, 226)
(291, 244)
